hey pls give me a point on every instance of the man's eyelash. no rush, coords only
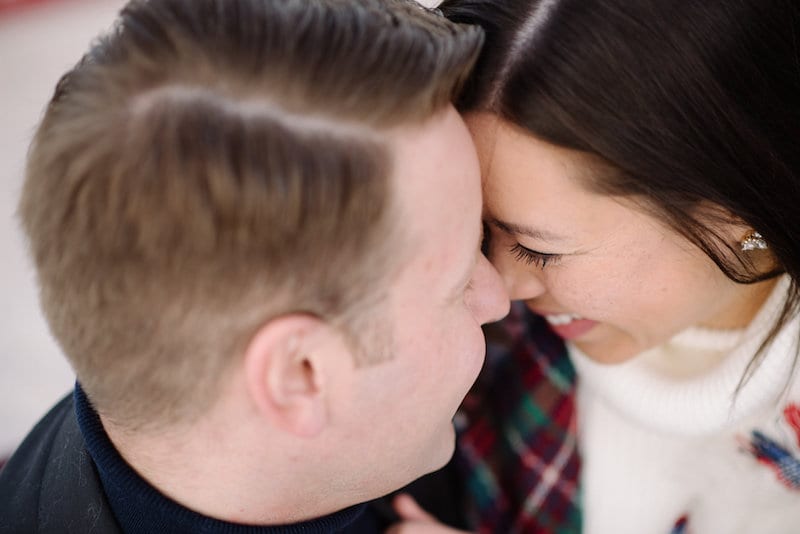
(531, 257)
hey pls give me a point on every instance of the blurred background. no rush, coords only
(39, 41)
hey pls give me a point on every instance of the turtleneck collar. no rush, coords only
(141, 508)
(692, 398)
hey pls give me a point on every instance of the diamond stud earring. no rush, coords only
(753, 241)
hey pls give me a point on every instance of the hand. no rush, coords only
(415, 520)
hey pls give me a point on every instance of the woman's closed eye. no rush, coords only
(532, 257)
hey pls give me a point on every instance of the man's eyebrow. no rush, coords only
(512, 228)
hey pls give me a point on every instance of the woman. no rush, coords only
(642, 181)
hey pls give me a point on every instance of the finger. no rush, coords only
(408, 509)
(415, 527)
(419, 527)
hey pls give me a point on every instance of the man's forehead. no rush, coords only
(437, 181)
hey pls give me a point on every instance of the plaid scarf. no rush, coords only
(517, 444)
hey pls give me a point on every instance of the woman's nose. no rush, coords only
(522, 281)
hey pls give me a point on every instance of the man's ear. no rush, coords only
(286, 372)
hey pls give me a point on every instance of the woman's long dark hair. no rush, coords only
(693, 104)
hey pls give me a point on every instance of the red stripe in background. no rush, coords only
(11, 6)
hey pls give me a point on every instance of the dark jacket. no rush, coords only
(51, 485)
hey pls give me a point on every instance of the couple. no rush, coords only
(256, 226)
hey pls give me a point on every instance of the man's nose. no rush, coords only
(489, 299)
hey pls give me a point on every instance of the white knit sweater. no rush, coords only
(662, 438)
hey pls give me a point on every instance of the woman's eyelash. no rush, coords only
(531, 257)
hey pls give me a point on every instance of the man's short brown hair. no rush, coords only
(211, 164)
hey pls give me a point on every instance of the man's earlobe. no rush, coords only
(285, 378)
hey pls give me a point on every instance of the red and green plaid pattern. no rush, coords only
(517, 446)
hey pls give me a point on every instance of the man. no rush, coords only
(256, 229)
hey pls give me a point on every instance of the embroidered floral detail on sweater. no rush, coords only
(681, 526)
(777, 456)
(792, 415)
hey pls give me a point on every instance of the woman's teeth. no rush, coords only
(562, 318)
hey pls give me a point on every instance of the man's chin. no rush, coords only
(445, 448)
(435, 456)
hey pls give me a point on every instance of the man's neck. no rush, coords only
(208, 467)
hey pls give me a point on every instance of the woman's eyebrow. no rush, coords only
(519, 229)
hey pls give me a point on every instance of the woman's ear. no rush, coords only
(747, 246)
(285, 372)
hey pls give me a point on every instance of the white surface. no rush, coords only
(37, 45)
